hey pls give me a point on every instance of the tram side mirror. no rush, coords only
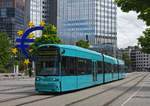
(63, 52)
(60, 55)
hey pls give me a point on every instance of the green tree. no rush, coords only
(126, 59)
(144, 41)
(142, 7)
(5, 50)
(49, 36)
(83, 44)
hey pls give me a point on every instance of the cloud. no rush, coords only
(129, 28)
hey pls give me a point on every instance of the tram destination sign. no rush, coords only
(47, 52)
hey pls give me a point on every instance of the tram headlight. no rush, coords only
(37, 79)
(54, 79)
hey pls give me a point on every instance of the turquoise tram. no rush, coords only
(61, 68)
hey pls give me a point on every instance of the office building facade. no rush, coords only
(40, 10)
(92, 20)
(139, 60)
(49, 11)
(11, 17)
(33, 13)
(142, 61)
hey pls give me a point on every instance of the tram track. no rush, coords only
(121, 94)
(37, 100)
(28, 96)
(16, 98)
(49, 97)
(32, 96)
(109, 89)
(16, 88)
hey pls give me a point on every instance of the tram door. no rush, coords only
(95, 67)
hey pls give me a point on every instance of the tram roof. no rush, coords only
(121, 62)
(110, 59)
(71, 47)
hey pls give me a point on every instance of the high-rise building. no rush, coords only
(33, 13)
(49, 11)
(11, 17)
(40, 10)
(90, 20)
(94, 20)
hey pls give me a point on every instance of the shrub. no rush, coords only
(3, 70)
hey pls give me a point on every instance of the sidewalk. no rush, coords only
(9, 76)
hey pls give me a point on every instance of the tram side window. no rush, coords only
(83, 68)
(122, 69)
(113, 67)
(116, 68)
(89, 66)
(100, 68)
(119, 68)
(68, 66)
(108, 68)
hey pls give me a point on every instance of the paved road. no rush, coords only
(132, 91)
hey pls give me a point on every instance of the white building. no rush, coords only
(142, 61)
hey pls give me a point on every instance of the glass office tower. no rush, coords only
(11, 17)
(49, 12)
(40, 10)
(92, 20)
(33, 13)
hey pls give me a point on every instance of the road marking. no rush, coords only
(132, 96)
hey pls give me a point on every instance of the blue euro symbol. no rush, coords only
(23, 40)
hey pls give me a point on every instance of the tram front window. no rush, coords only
(47, 66)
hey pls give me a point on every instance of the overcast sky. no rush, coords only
(129, 28)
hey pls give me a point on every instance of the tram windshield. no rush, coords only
(47, 63)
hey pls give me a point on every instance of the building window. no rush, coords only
(3, 12)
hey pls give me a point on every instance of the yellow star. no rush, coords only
(31, 35)
(26, 61)
(42, 23)
(31, 50)
(45, 36)
(31, 24)
(20, 32)
(54, 27)
(14, 50)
